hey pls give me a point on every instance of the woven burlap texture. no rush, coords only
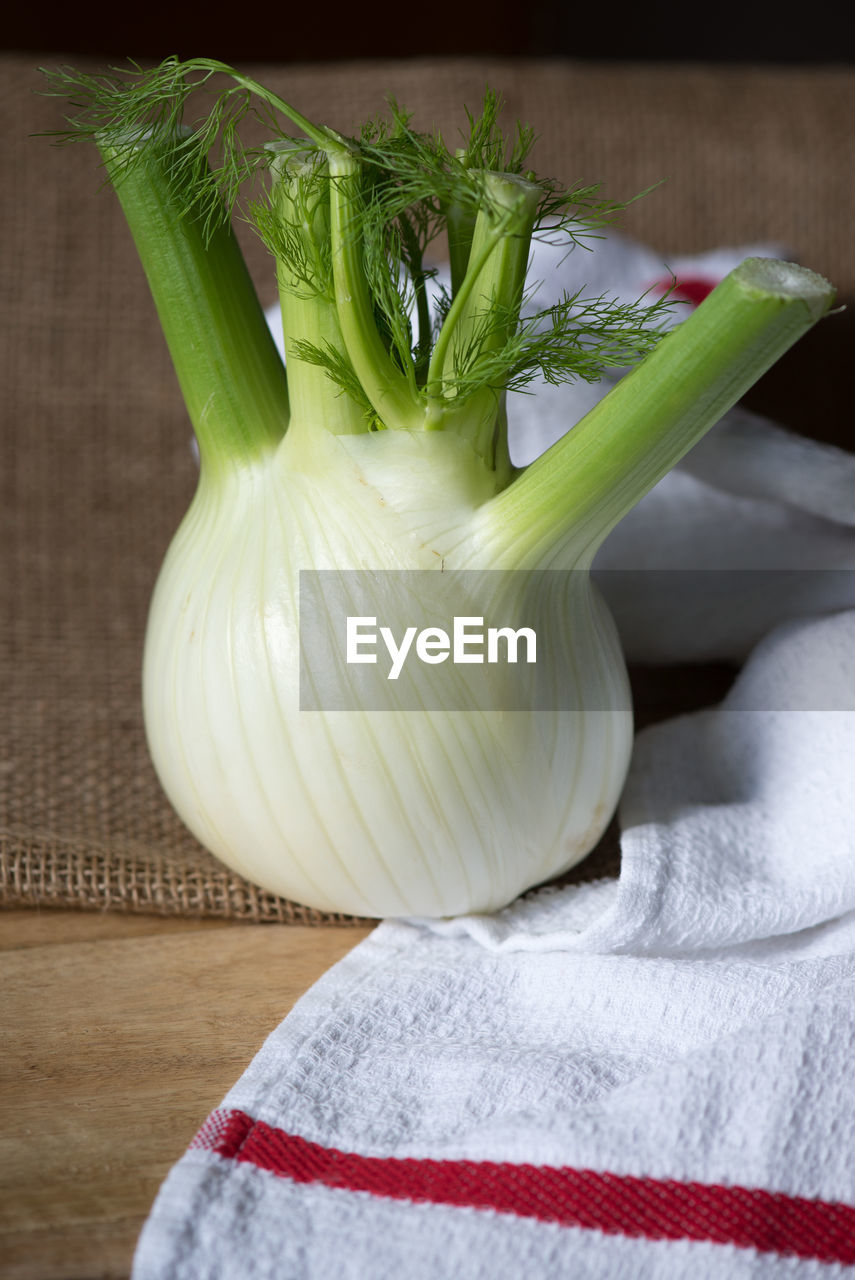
(97, 467)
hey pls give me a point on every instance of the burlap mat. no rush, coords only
(96, 463)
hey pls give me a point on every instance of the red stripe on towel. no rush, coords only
(749, 1218)
(691, 289)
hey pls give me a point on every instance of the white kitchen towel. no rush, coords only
(648, 1076)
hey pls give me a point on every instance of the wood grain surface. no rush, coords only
(119, 1034)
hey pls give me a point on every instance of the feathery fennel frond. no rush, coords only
(405, 189)
(129, 110)
(196, 108)
(487, 147)
(581, 337)
(293, 218)
(341, 373)
(577, 337)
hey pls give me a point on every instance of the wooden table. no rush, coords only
(119, 1034)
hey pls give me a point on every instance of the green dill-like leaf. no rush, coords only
(413, 189)
(123, 109)
(575, 215)
(178, 105)
(576, 338)
(339, 370)
(487, 147)
(441, 301)
(581, 337)
(293, 219)
(400, 216)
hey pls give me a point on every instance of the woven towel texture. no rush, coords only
(96, 468)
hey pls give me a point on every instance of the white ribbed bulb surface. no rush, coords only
(373, 813)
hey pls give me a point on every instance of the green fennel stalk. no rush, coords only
(348, 222)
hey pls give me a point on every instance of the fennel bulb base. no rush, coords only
(404, 812)
(405, 853)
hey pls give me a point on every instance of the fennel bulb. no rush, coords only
(382, 453)
(383, 812)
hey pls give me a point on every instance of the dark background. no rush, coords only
(728, 31)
